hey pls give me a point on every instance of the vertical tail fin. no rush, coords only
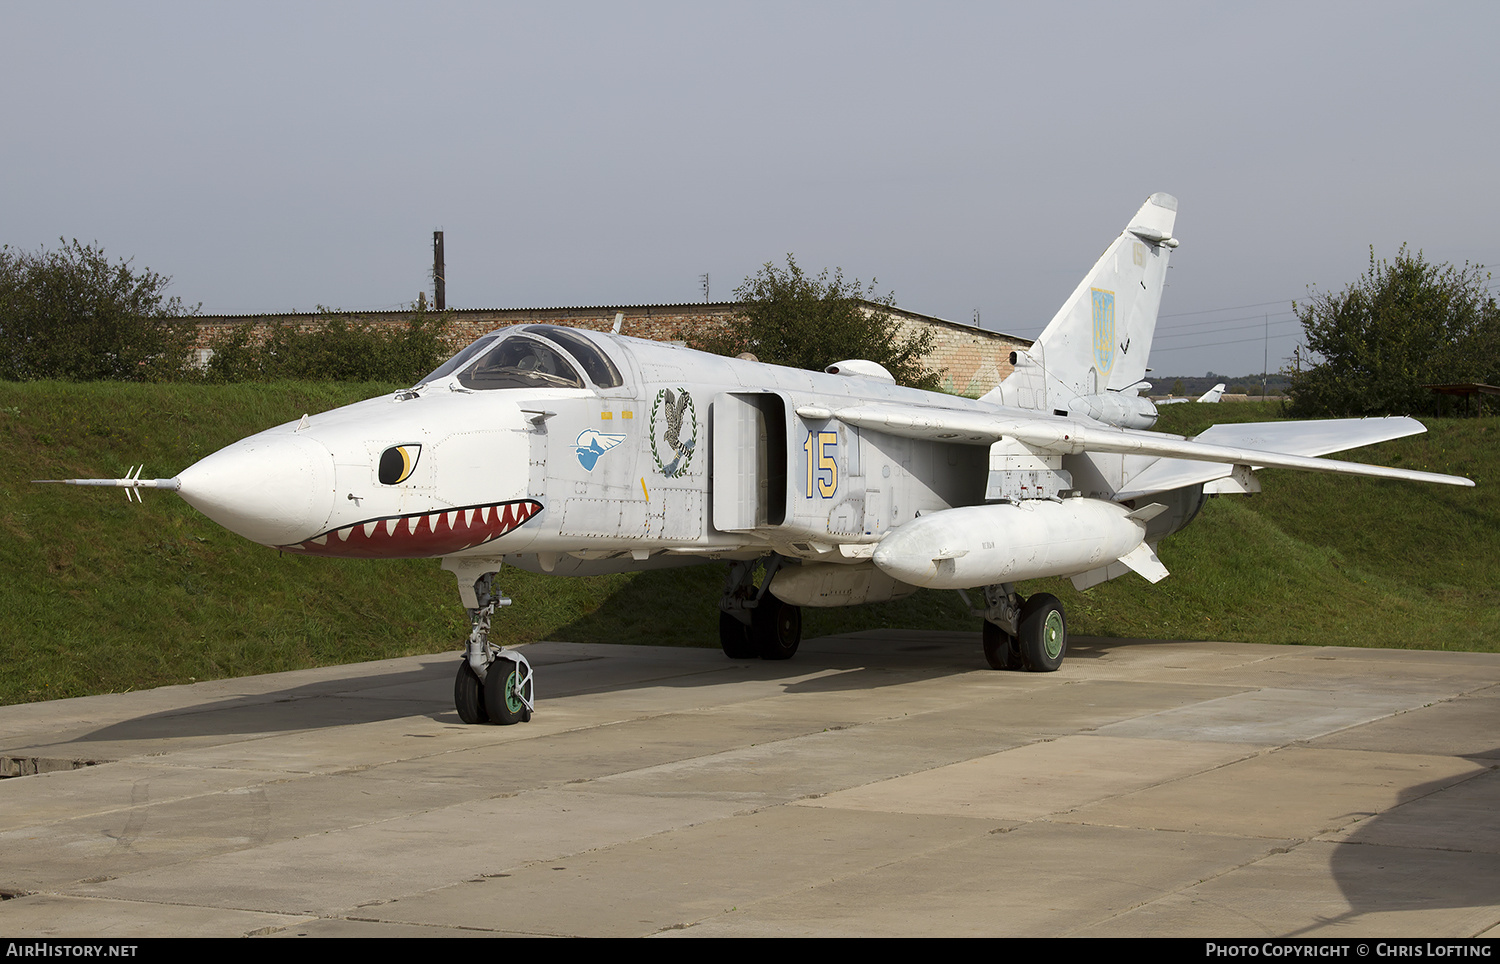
(1100, 339)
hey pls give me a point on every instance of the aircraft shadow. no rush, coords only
(844, 663)
(1407, 858)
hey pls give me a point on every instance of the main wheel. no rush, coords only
(468, 695)
(776, 628)
(504, 704)
(1001, 650)
(734, 638)
(1044, 633)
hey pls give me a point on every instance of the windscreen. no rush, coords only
(458, 361)
(520, 362)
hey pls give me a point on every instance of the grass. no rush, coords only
(103, 596)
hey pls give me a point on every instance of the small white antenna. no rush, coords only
(619, 320)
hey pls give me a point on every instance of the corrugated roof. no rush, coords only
(679, 307)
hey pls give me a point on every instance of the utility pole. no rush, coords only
(439, 282)
(1265, 358)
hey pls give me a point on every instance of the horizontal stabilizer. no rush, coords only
(1310, 438)
(1313, 437)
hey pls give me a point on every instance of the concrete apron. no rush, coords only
(878, 784)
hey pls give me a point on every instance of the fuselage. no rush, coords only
(595, 469)
(581, 452)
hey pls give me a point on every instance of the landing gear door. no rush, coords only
(749, 461)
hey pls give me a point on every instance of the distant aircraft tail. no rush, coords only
(1213, 395)
(1099, 341)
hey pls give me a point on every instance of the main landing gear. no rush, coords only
(1030, 634)
(493, 684)
(752, 621)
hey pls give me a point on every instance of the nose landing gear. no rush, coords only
(493, 685)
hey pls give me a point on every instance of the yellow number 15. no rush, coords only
(823, 443)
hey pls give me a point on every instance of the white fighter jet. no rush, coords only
(1210, 397)
(574, 452)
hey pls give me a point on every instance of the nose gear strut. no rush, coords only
(494, 685)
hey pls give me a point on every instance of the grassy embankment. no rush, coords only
(100, 596)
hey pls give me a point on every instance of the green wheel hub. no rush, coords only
(1052, 634)
(1043, 633)
(512, 698)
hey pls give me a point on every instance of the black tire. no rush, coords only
(734, 638)
(1044, 633)
(500, 699)
(1001, 650)
(468, 695)
(776, 628)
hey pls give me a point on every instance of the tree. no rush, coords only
(72, 314)
(791, 318)
(1404, 325)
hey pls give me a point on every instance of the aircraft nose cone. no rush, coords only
(275, 488)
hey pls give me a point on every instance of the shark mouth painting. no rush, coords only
(421, 534)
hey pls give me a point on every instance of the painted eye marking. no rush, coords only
(397, 462)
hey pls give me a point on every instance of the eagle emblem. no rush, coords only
(673, 416)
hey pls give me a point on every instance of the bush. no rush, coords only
(71, 314)
(335, 348)
(1403, 326)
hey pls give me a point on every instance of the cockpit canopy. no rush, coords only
(530, 356)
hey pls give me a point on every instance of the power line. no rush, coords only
(1209, 311)
(1208, 344)
(1258, 323)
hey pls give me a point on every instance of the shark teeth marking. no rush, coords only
(422, 534)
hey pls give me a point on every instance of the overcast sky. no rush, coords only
(968, 156)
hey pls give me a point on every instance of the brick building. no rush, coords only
(972, 359)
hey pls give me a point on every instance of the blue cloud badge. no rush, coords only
(591, 444)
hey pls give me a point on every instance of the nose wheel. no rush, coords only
(493, 685)
(468, 696)
(507, 690)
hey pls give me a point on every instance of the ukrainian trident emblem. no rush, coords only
(1104, 329)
